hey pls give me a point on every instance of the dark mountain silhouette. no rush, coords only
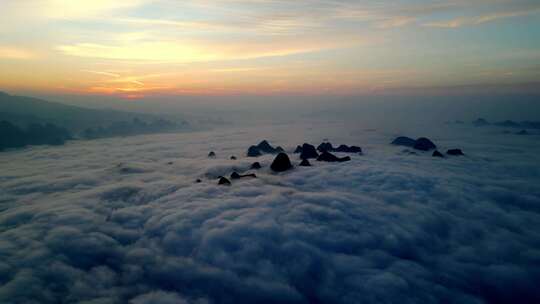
(31, 114)
(22, 110)
(12, 136)
(527, 124)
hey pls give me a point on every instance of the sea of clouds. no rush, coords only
(122, 220)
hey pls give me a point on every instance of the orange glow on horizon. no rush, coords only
(245, 47)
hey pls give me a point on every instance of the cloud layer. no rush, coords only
(110, 221)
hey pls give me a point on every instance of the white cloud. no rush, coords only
(159, 297)
(78, 226)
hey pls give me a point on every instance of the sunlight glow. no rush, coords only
(300, 47)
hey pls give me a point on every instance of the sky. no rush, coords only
(139, 48)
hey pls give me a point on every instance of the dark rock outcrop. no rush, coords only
(407, 151)
(253, 151)
(480, 122)
(342, 148)
(198, 180)
(530, 124)
(235, 175)
(455, 152)
(508, 124)
(347, 149)
(325, 146)
(437, 154)
(255, 166)
(404, 141)
(305, 163)
(224, 181)
(424, 144)
(308, 151)
(211, 154)
(263, 147)
(233, 157)
(329, 157)
(355, 149)
(298, 149)
(281, 163)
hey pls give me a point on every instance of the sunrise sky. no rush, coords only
(135, 48)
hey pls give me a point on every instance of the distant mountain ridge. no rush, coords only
(23, 111)
(480, 122)
(32, 121)
(12, 136)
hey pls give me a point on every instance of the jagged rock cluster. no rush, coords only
(321, 153)
(282, 162)
(421, 143)
(308, 151)
(263, 148)
(424, 144)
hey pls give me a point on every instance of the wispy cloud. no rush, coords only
(67, 9)
(236, 70)
(476, 20)
(9, 52)
(189, 51)
(399, 21)
(102, 73)
(31, 12)
(180, 24)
